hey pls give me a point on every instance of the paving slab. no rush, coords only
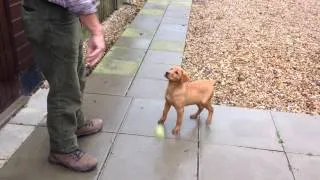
(135, 32)
(170, 36)
(117, 67)
(11, 137)
(171, 32)
(163, 57)
(29, 116)
(144, 114)
(164, 45)
(167, 27)
(138, 43)
(173, 20)
(139, 28)
(150, 18)
(2, 162)
(177, 6)
(39, 99)
(178, 12)
(161, 2)
(300, 132)
(305, 167)
(137, 157)
(34, 111)
(190, 1)
(181, 4)
(111, 109)
(185, 3)
(30, 161)
(108, 84)
(153, 70)
(14, 108)
(143, 26)
(152, 5)
(152, 12)
(233, 163)
(241, 127)
(125, 54)
(147, 88)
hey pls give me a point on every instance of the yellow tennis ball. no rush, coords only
(160, 131)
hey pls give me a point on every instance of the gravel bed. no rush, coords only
(262, 54)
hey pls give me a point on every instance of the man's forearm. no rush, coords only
(91, 22)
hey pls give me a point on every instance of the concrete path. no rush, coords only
(126, 90)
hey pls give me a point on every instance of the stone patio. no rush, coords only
(126, 90)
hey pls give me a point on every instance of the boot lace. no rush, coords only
(77, 154)
(88, 124)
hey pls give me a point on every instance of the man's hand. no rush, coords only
(96, 48)
(96, 44)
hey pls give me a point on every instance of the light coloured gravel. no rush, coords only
(262, 54)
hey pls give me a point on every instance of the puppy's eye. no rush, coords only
(176, 72)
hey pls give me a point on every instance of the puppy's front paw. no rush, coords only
(208, 122)
(161, 121)
(176, 131)
(193, 116)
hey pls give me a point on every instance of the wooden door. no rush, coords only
(9, 85)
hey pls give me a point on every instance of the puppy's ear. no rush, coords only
(184, 76)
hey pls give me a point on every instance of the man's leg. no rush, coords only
(56, 44)
(82, 82)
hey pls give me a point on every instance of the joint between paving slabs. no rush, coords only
(198, 151)
(22, 124)
(107, 94)
(305, 154)
(198, 124)
(255, 148)
(151, 136)
(104, 164)
(280, 140)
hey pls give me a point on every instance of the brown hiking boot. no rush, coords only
(92, 126)
(76, 160)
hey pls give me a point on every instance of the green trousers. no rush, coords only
(55, 36)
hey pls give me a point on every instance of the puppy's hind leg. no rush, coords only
(210, 109)
(164, 113)
(196, 115)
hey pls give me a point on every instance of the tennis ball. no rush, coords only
(160, 131)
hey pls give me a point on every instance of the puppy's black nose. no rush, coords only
(166, 74)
